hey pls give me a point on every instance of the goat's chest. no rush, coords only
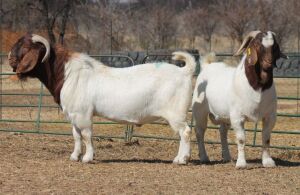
(254, 105)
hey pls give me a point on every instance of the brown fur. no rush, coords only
(260, 62)
(26, 59)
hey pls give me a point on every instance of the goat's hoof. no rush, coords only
(87, 158)
(226, 158)
(268, 162)
(241, 164)
(181, 160)
(74, 157)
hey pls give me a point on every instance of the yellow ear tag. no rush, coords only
(248, 51)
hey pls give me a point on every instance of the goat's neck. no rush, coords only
(51, 72)
(257, 77)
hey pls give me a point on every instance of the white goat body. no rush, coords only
(227, 89)
(225, 94)
(135, 95)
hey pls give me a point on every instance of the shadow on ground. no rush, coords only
(279, 162)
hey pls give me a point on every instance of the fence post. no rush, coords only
(128, 133)
(254, 136)
(40, 102)
(1, 76)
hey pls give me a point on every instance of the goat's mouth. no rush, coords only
(14, 67)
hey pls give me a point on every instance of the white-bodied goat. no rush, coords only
(83, 87)
(233, 95)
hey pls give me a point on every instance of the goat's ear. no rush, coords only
(250, 36)
(244, 45)
(251, 58)
(29, 61)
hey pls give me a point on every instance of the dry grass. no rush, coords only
(39, 164)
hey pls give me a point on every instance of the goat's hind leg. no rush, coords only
(87, 139)
(200, 114)
(268, 124)
(200, 128)
(77, 144)
(223, 134)
(184, 152)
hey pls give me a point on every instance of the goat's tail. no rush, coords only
(190, 63)
(207, 59)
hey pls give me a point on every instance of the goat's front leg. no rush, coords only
(87, 139)
(238, 126)
(77, 144)
(268, 124)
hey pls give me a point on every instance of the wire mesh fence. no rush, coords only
(27, 107)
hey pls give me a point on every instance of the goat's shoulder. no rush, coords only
(85, 61)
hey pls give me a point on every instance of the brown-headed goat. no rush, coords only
(83, 86)
(232, 95)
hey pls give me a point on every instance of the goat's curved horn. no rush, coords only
(8, 56)
(37, 38)
(246, 42)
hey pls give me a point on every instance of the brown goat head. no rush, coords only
(261, 48)
(262, 51)
(27, 52)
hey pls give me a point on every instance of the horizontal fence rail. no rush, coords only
(129, 133)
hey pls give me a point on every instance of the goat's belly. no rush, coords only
(217, 120)
(130, 113)
(132, 121)
(218, 106)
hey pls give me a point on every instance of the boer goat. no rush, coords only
(233, 95)
(83, 86)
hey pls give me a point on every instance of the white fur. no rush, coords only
(135, 95)
(223, 93)
(268, 40)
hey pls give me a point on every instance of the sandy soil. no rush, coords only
(39, 164)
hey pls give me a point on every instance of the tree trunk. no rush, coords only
(64, 21)
(49, 22)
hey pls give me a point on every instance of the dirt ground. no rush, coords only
(39, 164)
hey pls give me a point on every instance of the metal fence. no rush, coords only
(287, 74)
